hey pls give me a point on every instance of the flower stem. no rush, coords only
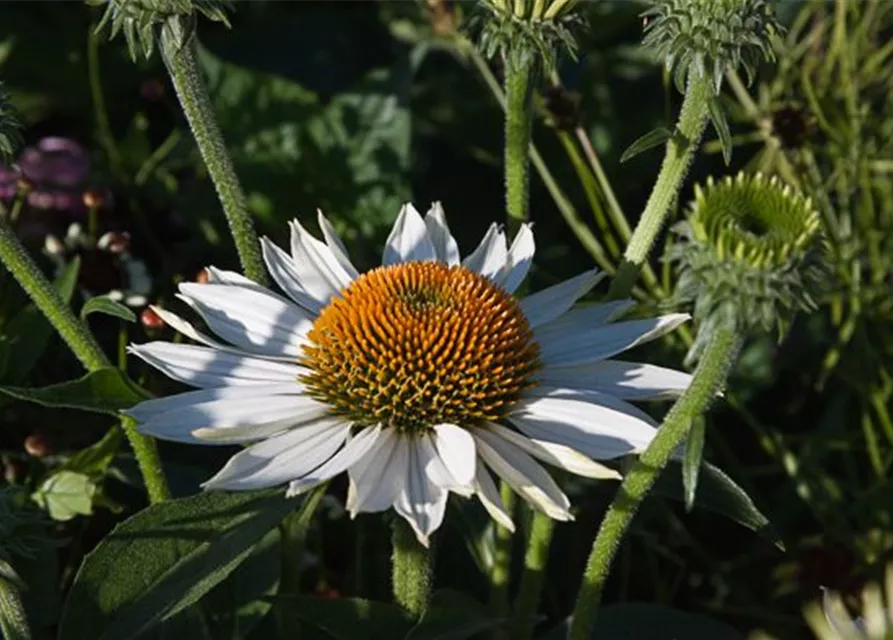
(518, 125)
(678, 157)
(709, 377)
(190, 86)
(502, 559)
(532, 579)
(81, 343)
(411, 570)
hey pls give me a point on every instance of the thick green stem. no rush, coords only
(518, 124)
(677, 159)
(411, 570)
(531, 587)
(709, 377)
(190, 86)
(502, 560)
(81, 343)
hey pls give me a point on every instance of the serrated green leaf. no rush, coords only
(104, 304)
(103, 391)
(66, 494)
(653, 138)
(452, 615)
(164, 559)
(691, 463)
(349, 618)
(721, 125)
(646, 621)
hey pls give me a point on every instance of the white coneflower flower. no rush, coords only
(417, 378)
(832, 621)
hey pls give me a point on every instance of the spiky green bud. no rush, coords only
(705, 37)
(10, 129)
(749, 255)
(529, 32)
(142, 21)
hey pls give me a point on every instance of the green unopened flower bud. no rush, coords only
(141, 20)
(704, 37)
(528, 31)
(749, 255)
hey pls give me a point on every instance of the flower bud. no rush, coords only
(151, 320)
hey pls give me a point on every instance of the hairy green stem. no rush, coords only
(182, 64)
(531, 588)
(502, 560)
(81, 343)
(411, 565)
(518, 124)
(709, 377)
(678, 157)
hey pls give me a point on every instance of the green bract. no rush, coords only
(140, 19)
(749, 254)
(528, 31)
(704, 37)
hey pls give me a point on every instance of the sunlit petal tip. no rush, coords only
(409, 239)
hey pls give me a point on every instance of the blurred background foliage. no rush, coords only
(356, 107)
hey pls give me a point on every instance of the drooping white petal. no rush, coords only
(354, 450)
(283, 457)
(333, 240)
(584, 318)
(518, 260)
(290, 278)
(192, 417)
(488, 494)
(321, 274)
(255, 321)
(546, 305)
(421, 502)
(625, 380)
(436, 470)
(376, 479)
(148, 409)
(445, 246)
(409, 239)
(205, 367)
(595, 424)
(488, 259)
(566, 348)
(555, 454)
(455, 446)
(222, 276)
(523, 474)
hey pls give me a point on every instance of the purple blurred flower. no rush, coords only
(9, 179)
(58, 168)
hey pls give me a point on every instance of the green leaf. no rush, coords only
(691, 463)
(350, 618)
(28, 332)
(164, 559)
(13, 621)
(641, 621)
(721, 125)
(66, 494)
(718, 493)
(452, 616)
(653, 138)
(104, 304)
(103, 391)
(96, 458)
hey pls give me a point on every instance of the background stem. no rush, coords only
(677, 159)
(411, 570)
(193, 94)
(531, 588)
(518, 125)
(708, 378)
(502, 560)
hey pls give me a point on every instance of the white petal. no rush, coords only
(148, 409)
(204, 367)
(584, 318)
(437, 471)
(455, 446)
(376, 479)
(321, 274)
(569, 348)
(252, 320)
(524, 475)
(283, 457)
(489, 496)
(421, 502)
(488, 259)
(263, 415)
(626, 380)
(548, 304)
(333, 240)
(518, 260)
(557, 455)
(595, 424)
(354, 450)
(445, 246)
(290, 277)
(222, 276)
(409, 239)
